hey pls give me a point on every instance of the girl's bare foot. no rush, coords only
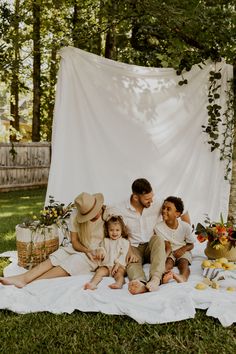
(115, 286)
(167, 277)
(137, 287)
(17, 281)
(153, 284)
(90, 286)
(179, 278)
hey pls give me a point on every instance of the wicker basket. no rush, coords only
(226, 252)
(34, 246)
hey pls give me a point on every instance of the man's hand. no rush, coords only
(167, 248)
(131, 257)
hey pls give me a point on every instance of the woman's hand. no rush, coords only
(91, 254)
(100, 253)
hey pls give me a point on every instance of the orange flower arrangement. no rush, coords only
(219, 234)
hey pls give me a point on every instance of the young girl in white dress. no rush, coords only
(113, 251)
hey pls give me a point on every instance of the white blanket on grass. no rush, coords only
(172, 302)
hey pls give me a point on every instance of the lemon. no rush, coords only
(217, 265)
(200, 286)
(222, 260)
(206, 263)
(229, 266)
(207, 281)
(231, 288)
(215, 284)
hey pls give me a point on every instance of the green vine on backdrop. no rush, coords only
(226, 150)
(220, 131)
(220, 125)
(213, 108)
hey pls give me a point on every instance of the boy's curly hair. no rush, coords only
(178, 203)
(115, 219)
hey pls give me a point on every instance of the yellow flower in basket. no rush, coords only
(224, 240)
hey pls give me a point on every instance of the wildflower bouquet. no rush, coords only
(218, 234)
(53, 213)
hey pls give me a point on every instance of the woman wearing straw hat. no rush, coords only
(86, 230)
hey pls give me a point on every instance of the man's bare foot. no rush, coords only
(17, 281)
(90, 286)
(153, 284)
(167, 277)
(179, 278)
(137, 287)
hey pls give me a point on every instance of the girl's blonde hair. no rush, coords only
(84, 233)
(115, 219)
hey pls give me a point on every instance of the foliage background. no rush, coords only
(171, 33)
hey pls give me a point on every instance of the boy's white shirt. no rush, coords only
(177, 237)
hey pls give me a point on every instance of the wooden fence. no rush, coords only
(24, 165)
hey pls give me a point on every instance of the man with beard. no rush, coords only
(140, 215)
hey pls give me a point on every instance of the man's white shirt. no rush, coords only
(140, 226)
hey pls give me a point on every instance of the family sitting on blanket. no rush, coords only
(84, 255)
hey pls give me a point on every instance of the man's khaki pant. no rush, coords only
(152, 252)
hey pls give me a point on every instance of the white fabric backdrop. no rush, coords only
(116, 122)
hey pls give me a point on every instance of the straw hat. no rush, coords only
(88, 206)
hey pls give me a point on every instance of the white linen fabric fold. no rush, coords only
(116, 122)
(172, 302)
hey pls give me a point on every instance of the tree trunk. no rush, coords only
(14, 98)
(36, 72)
(74, 25)
(52, 83)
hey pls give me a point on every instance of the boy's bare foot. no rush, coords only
(167, 277)
(153, 284)
(90, 286)
(18, 282)
(137, 287)
(179, 278)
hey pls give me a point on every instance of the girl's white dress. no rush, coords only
(115, 250)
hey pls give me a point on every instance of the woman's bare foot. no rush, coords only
(167, 277)
(90, 286)
(15, 280)
(179, 278)
(137, 287)
(153, 284)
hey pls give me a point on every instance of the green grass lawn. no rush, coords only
(95, 332)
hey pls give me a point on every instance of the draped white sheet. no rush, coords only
(116, 122)
(172, 302)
